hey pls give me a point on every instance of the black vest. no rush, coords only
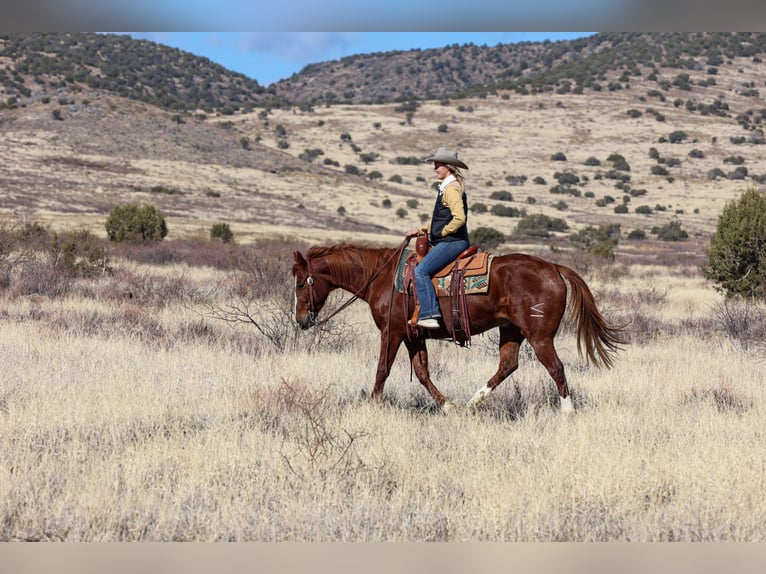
(442, 216)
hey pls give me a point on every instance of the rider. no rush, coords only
(448, 232)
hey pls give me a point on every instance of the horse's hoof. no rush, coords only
(449, 407)
(566, 405)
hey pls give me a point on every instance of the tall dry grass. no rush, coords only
(133, 413)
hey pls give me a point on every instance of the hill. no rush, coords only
(652, 144)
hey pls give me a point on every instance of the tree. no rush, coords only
(133, 223)
(737, 252)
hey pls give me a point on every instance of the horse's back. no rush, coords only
(527, 281)
(523, 264)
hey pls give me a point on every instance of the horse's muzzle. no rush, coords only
(305, 320)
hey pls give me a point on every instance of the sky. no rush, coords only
(268, 57)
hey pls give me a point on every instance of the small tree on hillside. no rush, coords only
(737, 252)
(131, 222)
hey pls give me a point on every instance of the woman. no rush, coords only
(448, 232)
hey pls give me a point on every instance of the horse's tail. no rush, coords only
(600, 340)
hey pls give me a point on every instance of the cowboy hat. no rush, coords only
(448, 156)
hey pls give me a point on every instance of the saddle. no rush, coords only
(450, 282)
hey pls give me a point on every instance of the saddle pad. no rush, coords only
(476, 278)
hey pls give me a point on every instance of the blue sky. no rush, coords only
(268, 57)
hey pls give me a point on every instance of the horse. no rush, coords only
(526, 298)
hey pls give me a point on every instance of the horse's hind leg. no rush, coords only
(510, 340)
(547, 355)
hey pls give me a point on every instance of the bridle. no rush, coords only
(310, 286)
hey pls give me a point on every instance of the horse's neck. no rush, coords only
(353, 277)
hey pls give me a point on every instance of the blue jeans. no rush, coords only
(440, 255)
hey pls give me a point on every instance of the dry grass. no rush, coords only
(126, 419)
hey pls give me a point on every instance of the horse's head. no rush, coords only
(311, 291)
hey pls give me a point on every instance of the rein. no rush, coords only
(310, 282)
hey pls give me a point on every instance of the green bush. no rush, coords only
(598, 241)
(78, 254)
(540, 225)
(501, 195)
(132, 222)
(221, 232)
(487, 238)
(671, 232)
(737, 252)
(677, 136)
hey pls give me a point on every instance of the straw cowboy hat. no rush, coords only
(448, 156)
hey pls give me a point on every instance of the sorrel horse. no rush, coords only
(526, 299)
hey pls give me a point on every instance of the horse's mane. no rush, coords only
(345, 260)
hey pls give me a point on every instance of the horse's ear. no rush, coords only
(300, 261)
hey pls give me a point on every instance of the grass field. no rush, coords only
(142, 416)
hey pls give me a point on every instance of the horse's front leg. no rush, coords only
(389, 345)
(419, 358)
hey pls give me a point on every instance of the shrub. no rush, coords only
(516, 179)
(558, 156)
(221, 232)
(599, 241)
(671, 232)
(478, 207)
(78, 254)
(132, 222)
(351, 169)
(486, 237)
(677, 136)
(401, 213)
(501, 195)
(637, 234)
(505, 211)
(540, 225)
(737, 252)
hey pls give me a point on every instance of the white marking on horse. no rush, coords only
(538, 310)
(566, 405)
(295, 298)
(479, 397)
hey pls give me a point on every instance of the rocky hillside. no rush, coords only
(41, 64)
